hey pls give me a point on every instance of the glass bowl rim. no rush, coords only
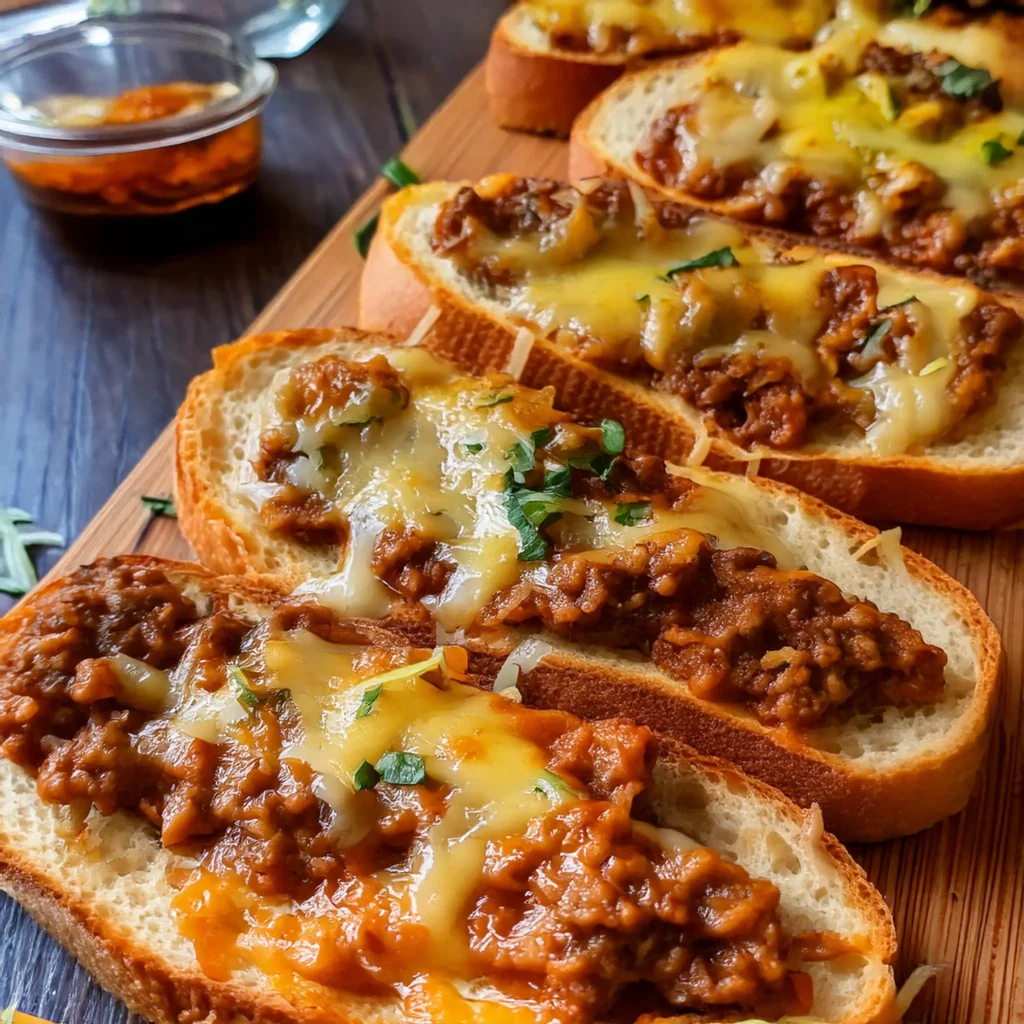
(98, 140)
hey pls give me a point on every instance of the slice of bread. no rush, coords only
(607, 136)
(106, 893)
(976, 482)
(537, 87)
(874, 776)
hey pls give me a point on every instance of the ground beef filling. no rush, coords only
(574, 912)
(788, 645)
(328, 389)
(918, 226)
(753, 398)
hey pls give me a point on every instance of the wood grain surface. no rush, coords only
(957, 891)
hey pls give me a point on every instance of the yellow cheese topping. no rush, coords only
(468, 741)
(763, 105)
(617, 304)
(665, 24)
(440, 466)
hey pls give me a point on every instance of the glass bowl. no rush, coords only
(132, 116)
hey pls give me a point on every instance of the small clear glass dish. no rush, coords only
(132, 116)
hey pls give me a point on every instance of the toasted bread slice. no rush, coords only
(537, 86)
(874, 775)
(106, 892)
(974, 482)
(942, 204)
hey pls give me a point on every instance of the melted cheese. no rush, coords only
(843, 133)
(468, 740)
(413, 469)
(616, 306)
(665, 24)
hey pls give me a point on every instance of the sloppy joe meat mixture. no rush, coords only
(694, 929)
(920, 226)
(787, 644)
(751, 397)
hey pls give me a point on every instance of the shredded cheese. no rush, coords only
(422, 329)
(701, 446)
(887, 542)
(643, 211)
(520, 354)
(911, 988)
(525, 658)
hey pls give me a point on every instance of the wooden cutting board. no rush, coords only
(957, 891)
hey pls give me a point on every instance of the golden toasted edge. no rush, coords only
(857, 804)
(395, 292)
(541, 92)
(162, 993)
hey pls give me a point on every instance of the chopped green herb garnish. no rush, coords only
(879, 329)
(723, 257)
(532, 545)
(541, 436)
(497, 398)
(1020, 139)
(554, 787)
(364, 236)
(643, 298)
(961, 81)
(365, 777)
(914, 8)
(632, 513)
(399, 173)
(613, 436)
(903, 302)
(600, 463)
(994, 152)
(243, 692)
(558, 482)
(401, 768)
(19, 574)
(369, 699)
(473, 447)
(521, 458)
(160, 506)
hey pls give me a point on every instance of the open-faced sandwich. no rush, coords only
(235, 806)
(866, 143)
(749, 620)
(893, 394)
(549, 58)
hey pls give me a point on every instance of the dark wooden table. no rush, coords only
(100, 332)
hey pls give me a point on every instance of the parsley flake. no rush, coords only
(365, 776)
(497, 398)
(369, 699)
(401, 768)
(399, 173)
(243, 692)
(994, 152)
(613, 436)
(723, 257)
(160, 506)
(632, 513)
(961, 81)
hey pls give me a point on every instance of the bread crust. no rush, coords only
(169, 994)
(396, 291)
(538, 92)
(858, 804)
